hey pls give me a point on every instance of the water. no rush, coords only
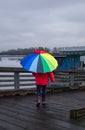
(10, 61)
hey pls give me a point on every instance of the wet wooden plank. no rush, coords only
(77, 113)
(20, 112)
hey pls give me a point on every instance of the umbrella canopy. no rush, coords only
(39, 62)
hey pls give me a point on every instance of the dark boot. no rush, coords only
(38, 101)
(43, 101)
(38, 105)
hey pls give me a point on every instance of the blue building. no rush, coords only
(69, 57)
(68, 62)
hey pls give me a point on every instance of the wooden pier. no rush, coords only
(20, 112)
(18, 107)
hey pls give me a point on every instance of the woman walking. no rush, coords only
(41, 80)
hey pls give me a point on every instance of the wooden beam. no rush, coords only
(77, 113)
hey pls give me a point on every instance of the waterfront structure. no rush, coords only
(70, 57)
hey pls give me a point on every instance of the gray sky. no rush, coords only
(47, 23)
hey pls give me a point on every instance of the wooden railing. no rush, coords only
(70, 78)
(17, 78)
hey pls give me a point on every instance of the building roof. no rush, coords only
(73, 50)
(81, 48)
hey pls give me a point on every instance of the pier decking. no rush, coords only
(20, 112)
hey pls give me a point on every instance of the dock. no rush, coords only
(21, 113)
(65, 108)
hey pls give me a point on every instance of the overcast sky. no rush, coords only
(46, 23)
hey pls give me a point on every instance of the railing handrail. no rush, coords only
(12, 69)
(18, 69)
(71, 70)
(68, 78)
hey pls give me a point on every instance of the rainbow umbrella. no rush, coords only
(39, 62)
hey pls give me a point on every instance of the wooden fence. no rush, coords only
(18, 78)
(70, 78)
(15, 78)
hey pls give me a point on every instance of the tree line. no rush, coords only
(26, 51)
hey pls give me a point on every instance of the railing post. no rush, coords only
(16, 80)
(71, 79)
